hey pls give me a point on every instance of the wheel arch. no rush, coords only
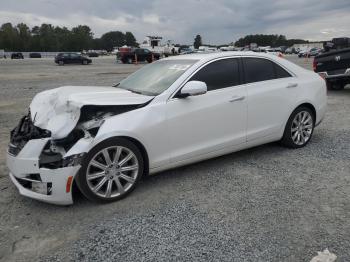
(143, 151)
(311, 107)
(132, 139)
(303, 104)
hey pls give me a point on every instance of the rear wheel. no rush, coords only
(110, 171)
(129, 60)
(336, 86)
(85, 62)
(299, 128)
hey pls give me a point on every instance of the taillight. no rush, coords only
(323, 75)
(314, 64)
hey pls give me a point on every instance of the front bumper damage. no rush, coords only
(44, 184)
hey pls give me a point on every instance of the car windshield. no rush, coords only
(155, 78)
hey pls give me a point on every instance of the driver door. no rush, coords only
(198, 125)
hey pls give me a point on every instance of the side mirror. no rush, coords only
(193, 88)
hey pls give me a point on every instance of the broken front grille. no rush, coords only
(23, 132)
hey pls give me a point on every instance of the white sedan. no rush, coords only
(170, 113)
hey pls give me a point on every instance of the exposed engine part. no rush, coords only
(23, 132)
(57, 149)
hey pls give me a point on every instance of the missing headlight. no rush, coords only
(73, 160)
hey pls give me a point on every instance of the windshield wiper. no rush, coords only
(136, 92)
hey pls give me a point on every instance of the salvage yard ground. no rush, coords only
(267, 203)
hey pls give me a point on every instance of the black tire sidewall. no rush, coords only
(287, 135)
(81, 176)
(335, 86)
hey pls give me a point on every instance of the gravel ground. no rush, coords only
(267, 203)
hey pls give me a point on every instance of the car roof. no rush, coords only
(214, 55)
(206, 57)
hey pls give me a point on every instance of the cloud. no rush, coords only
(220, 21)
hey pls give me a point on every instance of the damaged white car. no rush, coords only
(170, 113)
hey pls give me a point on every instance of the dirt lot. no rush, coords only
(263, 204)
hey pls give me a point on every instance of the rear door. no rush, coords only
(271, 91)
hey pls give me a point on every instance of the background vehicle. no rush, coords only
(170, 113)
(310, 53)
(334, 66)
(17, 56)
(34, 55)
(291, 50)
(128, 55)
(93, 54)
(71, 58)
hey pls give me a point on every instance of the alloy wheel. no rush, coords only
(112, 171)
(302, 127)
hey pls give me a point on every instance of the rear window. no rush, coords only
(280, 72)
(259, 69)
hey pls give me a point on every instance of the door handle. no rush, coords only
(236, 98)
(291, 85)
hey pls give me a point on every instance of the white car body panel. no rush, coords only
(173, 131)
(203, 122)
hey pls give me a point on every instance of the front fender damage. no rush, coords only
(70, 150)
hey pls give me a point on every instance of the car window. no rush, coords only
(219, 74)
(74, 55)
(280, 72)
(257, 69)
(65, 55)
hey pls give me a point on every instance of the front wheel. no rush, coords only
(299, 128)
(110, 171)
(85, 62)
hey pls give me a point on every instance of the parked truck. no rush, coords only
(334, 63)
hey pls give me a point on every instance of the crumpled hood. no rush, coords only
(58, 110)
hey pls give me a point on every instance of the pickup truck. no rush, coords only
(129, 55)
(334, 66)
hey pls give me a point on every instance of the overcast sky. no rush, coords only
(219, 21)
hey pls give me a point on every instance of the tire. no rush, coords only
(299, 128)
(61, 63)
(104, 184)
(129, 60)
(85, 62)
(335, 86)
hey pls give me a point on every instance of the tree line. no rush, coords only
(268, 40)
(49, 38)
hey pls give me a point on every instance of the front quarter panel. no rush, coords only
(146, 125)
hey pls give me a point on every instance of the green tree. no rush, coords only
(81, 38)
(24, 36)
(48, 40)
(62, 36)
(130, 39)
(267, 40)
(112, 39)
(9, 39)
(197, 42)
